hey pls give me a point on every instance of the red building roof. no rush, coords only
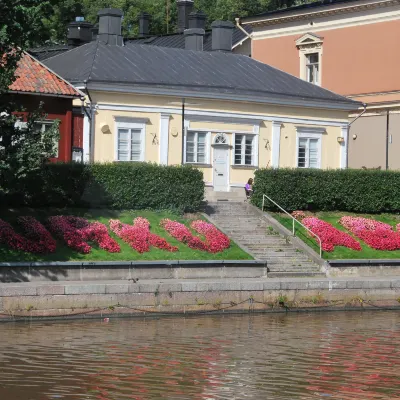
(34, 77)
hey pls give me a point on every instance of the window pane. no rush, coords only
(248, 150)
(313, 156)
(302, 153)
(201, 147)
(238, 149)
(313, 58)
(135, 144)
(190, 147)
(123, 144)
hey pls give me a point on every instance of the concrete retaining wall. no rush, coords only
(100, 299)
(363, 268)
(95, 271)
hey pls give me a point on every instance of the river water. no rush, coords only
(354, 355)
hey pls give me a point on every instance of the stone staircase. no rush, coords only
(248, 228)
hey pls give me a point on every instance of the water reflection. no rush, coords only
(296, 356)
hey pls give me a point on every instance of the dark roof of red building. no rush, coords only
(34, 77)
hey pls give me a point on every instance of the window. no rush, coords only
(129, 144)
(196, 147)
(244, 150)
(312, 67)
(44, 126)
(308, 154)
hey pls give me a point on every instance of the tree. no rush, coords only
(21, 150)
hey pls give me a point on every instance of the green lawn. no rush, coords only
(344, 252)
(64, 253)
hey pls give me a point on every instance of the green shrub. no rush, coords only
(113, 185)
(361, 191)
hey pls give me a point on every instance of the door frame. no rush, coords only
(226, 146)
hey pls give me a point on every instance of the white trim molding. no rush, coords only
(310, 44)
(344, 147)
(86, 138)
(164, 138)
(252, 119)
(276, 144)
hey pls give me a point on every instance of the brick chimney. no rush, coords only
(79, 32)
(222, 35)
(144, 24)
(185, 7)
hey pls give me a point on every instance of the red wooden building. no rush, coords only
(35, 83)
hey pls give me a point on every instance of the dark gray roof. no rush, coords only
(177, 40)
(45, 52)
(220, 74)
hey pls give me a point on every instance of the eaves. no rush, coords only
(185, 92)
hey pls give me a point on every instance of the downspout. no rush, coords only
(387, 139)
(241, 28)
(183, 131)
(348, 133)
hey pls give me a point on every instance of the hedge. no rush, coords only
(361, 191)
(113, 185)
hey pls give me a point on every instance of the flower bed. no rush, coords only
(76, 231)
(299, 215)
(215, 242)
(375, 234)
(330, 236)
(38, 240)
(138, 235)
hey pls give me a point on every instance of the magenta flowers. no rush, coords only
(375, 234)
(138, 235)
(37, 239)
(330, 236)
(76, 231)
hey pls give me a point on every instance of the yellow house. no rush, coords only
(226, 114)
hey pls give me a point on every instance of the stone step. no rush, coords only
(285, 274)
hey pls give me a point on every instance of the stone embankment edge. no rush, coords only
(117, 299)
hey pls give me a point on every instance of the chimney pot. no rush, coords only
(185, 7)
(194, 39)
(110, 26)
(197, 20)
(222, 35)
(144, 24)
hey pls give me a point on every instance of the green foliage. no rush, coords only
(115, 185)
(363, 191)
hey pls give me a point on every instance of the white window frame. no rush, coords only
(315, 68)
(254, 153)
(310, 44)
(309, 133)
(48, 122)
(131, 123)
(207, 146)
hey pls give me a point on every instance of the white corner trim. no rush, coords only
(276, 144)
(344, 147)
(164, 138)
(86, 139)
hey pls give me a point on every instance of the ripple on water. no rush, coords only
(345, 356)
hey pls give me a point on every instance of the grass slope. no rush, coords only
(64, 253)
(343, 252)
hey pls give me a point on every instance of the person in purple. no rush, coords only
(249, 188)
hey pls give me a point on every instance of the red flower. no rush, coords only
(77, 231)
(38, 240)
(330, 236)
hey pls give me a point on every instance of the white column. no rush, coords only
(344, 147)
(164, 138)
(86, 136)
(276, 143)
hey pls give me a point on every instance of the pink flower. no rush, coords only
(330, 236)
(375, 234)
(215, 242)
(138, 235)
(38, 240)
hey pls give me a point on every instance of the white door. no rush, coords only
(220, 167)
